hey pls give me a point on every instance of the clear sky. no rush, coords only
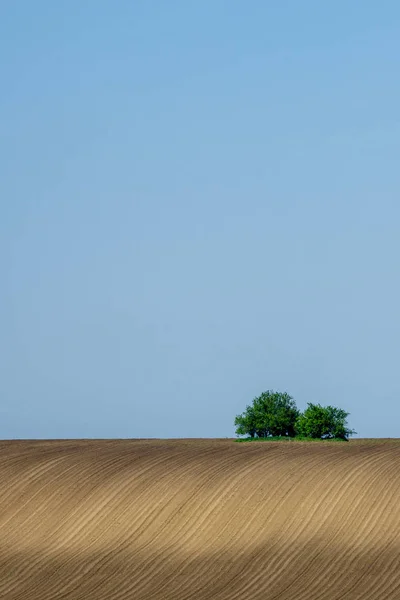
(199, 201)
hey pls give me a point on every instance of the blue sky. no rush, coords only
(199, 201)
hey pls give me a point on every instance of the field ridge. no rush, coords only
(199, 518)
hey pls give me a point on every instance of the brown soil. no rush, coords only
(199, 519)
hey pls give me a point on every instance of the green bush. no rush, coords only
(271, 414)
(274, 415)
(323, 422)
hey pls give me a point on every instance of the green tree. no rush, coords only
(246, 422)
(325, 422)
(271, 414)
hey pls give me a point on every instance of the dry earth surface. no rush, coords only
(199, 519)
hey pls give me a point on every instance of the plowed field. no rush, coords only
(199, 519)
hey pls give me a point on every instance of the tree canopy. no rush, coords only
(325, 422)
(271, 414)
(275, 414)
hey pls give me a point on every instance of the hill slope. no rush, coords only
(180, 519)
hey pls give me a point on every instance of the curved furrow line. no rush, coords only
(373, 542)
(149, 562)
(378, 502)
(345, 521)
(177, 535)
(335, 501)
(12, 490)
(19, 567)
(32, 496)
(57, 477)
(163, 484)
(27, 482)
(376, 509)
(215, 505)
(101, 468)
(352, 550)
(388, 588)
(294, 528)
(175, 588)
(257, 532)
(80, 524)
(147, 513)
(278, 544)
(165, 520)
(113, 552)
(84, 517)
(228, 547)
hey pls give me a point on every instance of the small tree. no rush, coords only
(271, 414)
(326, 422)
(246, 422)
